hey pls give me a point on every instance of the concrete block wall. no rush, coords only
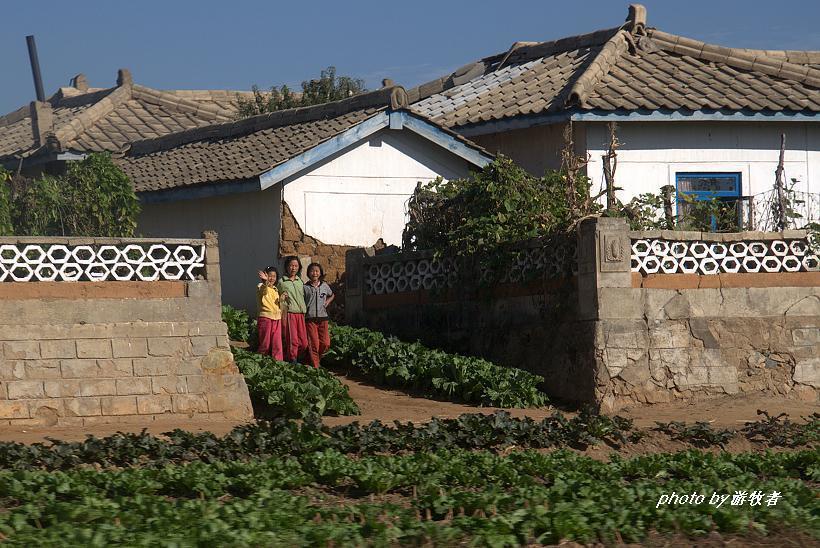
(690, 336)
(605, 338)
(108, 352)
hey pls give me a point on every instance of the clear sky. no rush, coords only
(231, 44)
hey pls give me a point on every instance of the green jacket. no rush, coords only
(295, 290)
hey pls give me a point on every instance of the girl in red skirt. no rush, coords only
(292, 290)
(318, 296)
(270, 315)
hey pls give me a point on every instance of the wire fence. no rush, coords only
(759, 212)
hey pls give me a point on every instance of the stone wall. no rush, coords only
(89, 352)
(616, 334)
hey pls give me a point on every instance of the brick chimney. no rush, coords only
(80, 82)
(42, 121)
(124, 77)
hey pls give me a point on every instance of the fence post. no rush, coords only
(212, 274)
(354, 284)
(604, 260)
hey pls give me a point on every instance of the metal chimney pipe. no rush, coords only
(35, 68)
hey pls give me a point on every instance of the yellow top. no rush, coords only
(267, 299)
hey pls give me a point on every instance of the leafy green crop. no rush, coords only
(293, 390)
(387, 361)
(441, 497)
(238, 323)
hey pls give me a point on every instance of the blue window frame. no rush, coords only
(704, 186)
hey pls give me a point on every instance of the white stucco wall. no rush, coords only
(652, 152)
(360, 194)
(248, 227)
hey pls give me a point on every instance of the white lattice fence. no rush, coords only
(553, 260)
(152, 261)
(659, 256)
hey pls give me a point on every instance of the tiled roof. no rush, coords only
(626, 68)
(90, 120)
(246, 148)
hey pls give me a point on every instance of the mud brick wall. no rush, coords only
(294, 241)
(83, 353)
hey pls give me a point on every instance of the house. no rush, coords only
(79, 119)
(704, 118)
(311, 181)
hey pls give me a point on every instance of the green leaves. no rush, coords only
(442, 497)
(389, 361)
(93, 198)
(483, 217)
(293, 390)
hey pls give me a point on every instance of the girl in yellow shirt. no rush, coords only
(270, 315)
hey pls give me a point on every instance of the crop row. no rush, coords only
(442, 496)
(288, 437)
(294, 391)
(388, 361)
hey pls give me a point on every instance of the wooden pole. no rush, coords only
(669, 218)
(779, 188)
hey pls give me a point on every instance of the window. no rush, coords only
(723, 188)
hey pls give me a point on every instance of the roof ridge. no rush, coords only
(539, 49)
(90, 116)
(598, 67)
(172, 100)
(744, 59)
(14, 116)
(394, 97)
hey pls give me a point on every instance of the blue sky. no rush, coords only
(207, 44)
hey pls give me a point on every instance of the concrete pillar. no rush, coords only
(604, 259)
(212, 274)
(354, 283)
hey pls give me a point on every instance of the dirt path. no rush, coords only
(390, 405)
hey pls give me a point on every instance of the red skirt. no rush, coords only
(296, 341)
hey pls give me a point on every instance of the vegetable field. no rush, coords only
(485, 480)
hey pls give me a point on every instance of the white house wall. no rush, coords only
(360, 194)
(248, 227)
(652, 152)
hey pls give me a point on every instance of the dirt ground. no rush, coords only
(390, 405)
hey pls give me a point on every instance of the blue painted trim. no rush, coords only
(646, 115)
(323, 150)
(435, 134)
(705, 195)
(199, 191)
(396, 120)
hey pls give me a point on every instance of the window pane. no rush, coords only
(707, 183)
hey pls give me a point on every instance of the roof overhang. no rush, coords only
(642, 115)
(647, 115)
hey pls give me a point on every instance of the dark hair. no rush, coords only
(269, 269)
(290, 258)
(321, 270)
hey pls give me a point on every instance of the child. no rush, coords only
(293, 291)
(268, 321)
(318, 296)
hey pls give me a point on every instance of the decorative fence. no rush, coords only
(751, 252)
(416, 271)
(100, 259)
